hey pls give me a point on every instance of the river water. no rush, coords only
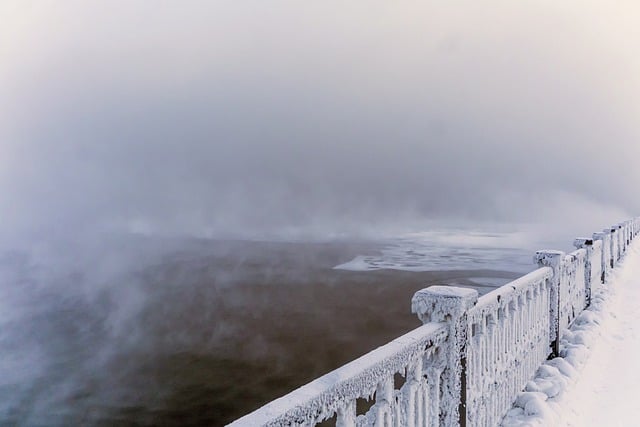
(131, 330)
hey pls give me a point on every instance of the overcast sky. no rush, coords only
(252, 117)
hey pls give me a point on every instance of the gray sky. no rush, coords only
(253, 117)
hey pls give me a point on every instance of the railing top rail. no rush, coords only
(578, 254)
(325, 395)
(513, 287)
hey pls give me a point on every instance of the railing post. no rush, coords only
(604, 261)
(628, 224)
(449, 304)
(626, 234)
(553, 259)
(586, 244)
(613, 241)
(612, 245)
(623, 237)
(619, 233)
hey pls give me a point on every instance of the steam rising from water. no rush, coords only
(288, 118)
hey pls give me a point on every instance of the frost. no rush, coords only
(372, 373)
(436, 303)
(505, 326)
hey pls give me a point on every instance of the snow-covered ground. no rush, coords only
(596, 381)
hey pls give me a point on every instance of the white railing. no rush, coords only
(472, 356)
(595, 269)
(508, 332)
(605, 238)
(573, 291)
(418, 355)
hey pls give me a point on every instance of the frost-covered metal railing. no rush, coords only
(508, 338)
(573, 290)
(471, 358)
(594, 269)
(419, 355)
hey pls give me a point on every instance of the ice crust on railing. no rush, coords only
(615, 245)
(593, 270)
(597, 271)
(371, 374)
(450, 304)
(604, 238)
(554, 260)
(572, 288)
(438, 303)
(508, 334)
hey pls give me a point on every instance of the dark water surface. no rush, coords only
(187, 333)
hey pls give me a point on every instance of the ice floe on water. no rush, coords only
(450, 250)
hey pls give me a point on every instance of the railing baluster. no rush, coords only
(347, 415)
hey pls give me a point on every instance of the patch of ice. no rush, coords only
(449, 250)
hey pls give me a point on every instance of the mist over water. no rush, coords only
(285, 118)
(173, 177)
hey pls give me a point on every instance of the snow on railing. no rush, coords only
(508, 334)
(573, 291)
(472, 356)
(419, 356)
(605, 260)
(594, 265)
(615, 245)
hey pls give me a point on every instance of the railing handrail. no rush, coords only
(520, 283)
(347, 382)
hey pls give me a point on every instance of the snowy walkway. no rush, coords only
(606, 391)
(597, 382)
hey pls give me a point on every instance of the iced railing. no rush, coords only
(595, 271)
(508, 338)
(573, 291)
(470, 359)
(419, 356)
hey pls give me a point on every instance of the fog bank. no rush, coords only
(283, 118)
